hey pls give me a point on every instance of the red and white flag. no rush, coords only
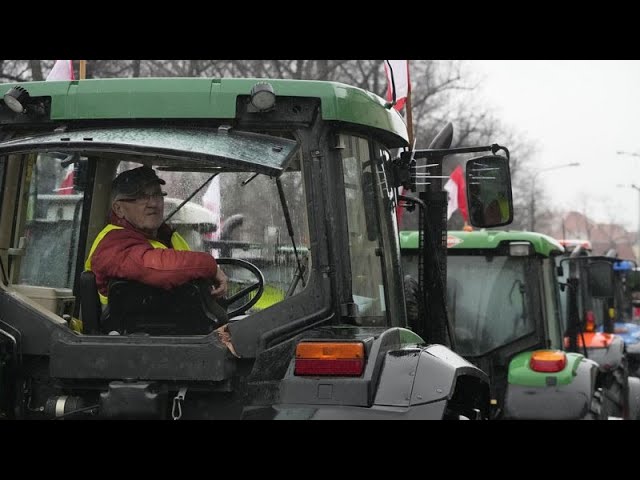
(399, 209)
(397, 72)
(62, 70)
(457, 192)
(66, 186)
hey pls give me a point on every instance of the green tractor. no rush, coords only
(504, 306)
(591, 292)
(315, 324)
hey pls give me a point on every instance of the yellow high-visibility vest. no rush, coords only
(177, 242)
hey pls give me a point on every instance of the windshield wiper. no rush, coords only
(517, 283)
(300, 271)
(190, 197)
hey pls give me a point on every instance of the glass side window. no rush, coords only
(487, 298)
(53, 216)
(585, 302)
(361, 181)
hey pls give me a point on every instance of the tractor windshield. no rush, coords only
(487, 298)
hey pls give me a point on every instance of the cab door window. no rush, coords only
(361, 183)
(52, 224)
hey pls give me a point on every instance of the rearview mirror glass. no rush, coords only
(633, 281)
(489, 191)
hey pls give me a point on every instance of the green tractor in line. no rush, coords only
(505, 308)
(590, 296)
(313, 169)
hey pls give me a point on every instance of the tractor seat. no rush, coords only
(185, 310)
(90, 307)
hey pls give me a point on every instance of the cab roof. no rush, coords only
(197, 98)
(487, 239)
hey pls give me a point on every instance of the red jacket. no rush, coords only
(127, 253)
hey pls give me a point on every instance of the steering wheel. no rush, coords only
(258, 285)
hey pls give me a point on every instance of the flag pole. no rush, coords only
(410, 135)
(408, 110)
(83, 69)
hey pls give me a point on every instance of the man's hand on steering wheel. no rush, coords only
(220, 284)
(251, 291)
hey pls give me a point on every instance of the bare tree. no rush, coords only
(15, 70)
(442, 91)
(36, 69)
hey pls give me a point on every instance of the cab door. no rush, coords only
(10, 366)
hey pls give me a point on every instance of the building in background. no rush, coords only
(603, 236)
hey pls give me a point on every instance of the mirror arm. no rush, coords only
(403, 172)
(411, 202)
(495, 148)
(433, 153)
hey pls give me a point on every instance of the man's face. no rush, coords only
(145, 212)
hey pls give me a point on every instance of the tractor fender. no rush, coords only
(610, 356)
(417, 376)
(442, 374)
(396, 377)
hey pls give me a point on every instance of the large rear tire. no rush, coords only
(596, 409)
(615, 392)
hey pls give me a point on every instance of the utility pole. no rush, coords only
(532, 202)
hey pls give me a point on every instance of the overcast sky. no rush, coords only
(575, 111)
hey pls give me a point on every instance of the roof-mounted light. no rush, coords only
(16, 98)
(548, 361)
(520, 249)
(263, 97)
(622, 265)
(570, 244)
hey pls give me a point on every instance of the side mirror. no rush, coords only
(633, 281)
(489, 191)
(601, 279)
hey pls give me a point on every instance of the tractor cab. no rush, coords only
(504, 306)
(506, 309)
